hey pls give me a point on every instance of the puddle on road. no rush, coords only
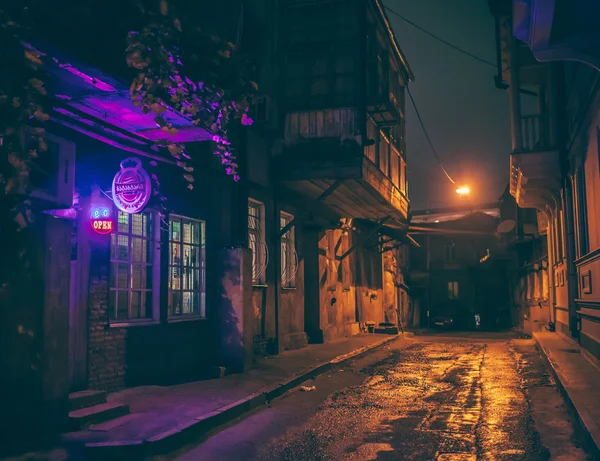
(456, 457)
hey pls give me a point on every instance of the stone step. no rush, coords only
(85, 417)
(84, 399)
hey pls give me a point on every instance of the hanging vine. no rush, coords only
(194, 73)
(22, 101)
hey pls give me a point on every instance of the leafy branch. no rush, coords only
(193, 73)
(22, 102)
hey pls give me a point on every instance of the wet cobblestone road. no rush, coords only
(447, 399)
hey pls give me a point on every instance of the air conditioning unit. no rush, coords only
(52, 181)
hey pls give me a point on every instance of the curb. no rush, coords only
(172, 439)
(583, 420)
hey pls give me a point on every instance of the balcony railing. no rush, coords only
(535, 133)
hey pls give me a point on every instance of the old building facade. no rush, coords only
(459, 275)
(552, 80)
(310, 246)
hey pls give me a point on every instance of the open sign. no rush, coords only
(101, 220)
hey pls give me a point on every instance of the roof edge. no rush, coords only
(410, 76)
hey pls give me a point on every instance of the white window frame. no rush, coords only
(256, 242)
(289, 260)
(201, 247)
(154, 291)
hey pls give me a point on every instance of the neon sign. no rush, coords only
(131, 187)
(101, 220)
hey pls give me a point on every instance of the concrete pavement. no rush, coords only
(162, 418)
(578, 377)
(433, 398)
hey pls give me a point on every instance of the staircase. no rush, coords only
(90, 407)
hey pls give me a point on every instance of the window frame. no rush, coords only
(452, 253)
(258, 233)
(155, 264)
(288, 251)
(583, 242)
(452, 288)
(201, 314)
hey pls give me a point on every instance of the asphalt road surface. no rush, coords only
(448, 398)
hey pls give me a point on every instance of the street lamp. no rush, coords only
(463, 190)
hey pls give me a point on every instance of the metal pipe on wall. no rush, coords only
(514, 97)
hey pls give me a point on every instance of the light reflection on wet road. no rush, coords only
(447, 399)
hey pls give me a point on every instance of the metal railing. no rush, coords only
(535, 132)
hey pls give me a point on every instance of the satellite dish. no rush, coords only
(505, 226)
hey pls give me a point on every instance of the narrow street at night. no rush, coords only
(454, 396)
(300, 230)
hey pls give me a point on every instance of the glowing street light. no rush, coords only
(463, 190)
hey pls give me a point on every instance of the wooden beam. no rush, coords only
(393, 247)
(306, 212)
(379, 225)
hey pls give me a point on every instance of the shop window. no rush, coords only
(187, 267)
(452, 290)
(134, 256)
(256, 241)
(289, 259)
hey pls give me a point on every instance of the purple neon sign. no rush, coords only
(131, 187)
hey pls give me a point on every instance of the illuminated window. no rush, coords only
(452, 290)
(289, 261)
(187, 267)
(133, 255)
(256, 241)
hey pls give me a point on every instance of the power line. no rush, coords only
(427, 136)
(460, 50)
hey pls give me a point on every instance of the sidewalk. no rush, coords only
(578, 378)
(163, 417)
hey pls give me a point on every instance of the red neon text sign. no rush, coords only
(101, 220)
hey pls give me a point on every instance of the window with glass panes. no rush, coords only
(131, 258)
(256, 235)
(452, 290)
(187, 267)
(288, 253)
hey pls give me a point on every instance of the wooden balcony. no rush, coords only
(535, 168)
(384, 110)
(535, 178)
(535, 131)
(322, 150)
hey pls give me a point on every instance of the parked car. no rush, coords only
(443, 321)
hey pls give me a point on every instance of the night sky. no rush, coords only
(465, 115)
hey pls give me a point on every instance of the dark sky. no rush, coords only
(465, 115)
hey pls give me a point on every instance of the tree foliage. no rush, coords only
(181, 66)
(23, 98)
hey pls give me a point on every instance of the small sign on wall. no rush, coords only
(131, 187)
(101, 220)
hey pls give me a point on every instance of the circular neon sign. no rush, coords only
(101, 220)
(131, 187)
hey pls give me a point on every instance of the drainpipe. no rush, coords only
(551, 261)
(276, 260)
(572, 281)
(430, 276)
(514, 98)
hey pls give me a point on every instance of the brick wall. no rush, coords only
(162, 353)
(106, 346)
